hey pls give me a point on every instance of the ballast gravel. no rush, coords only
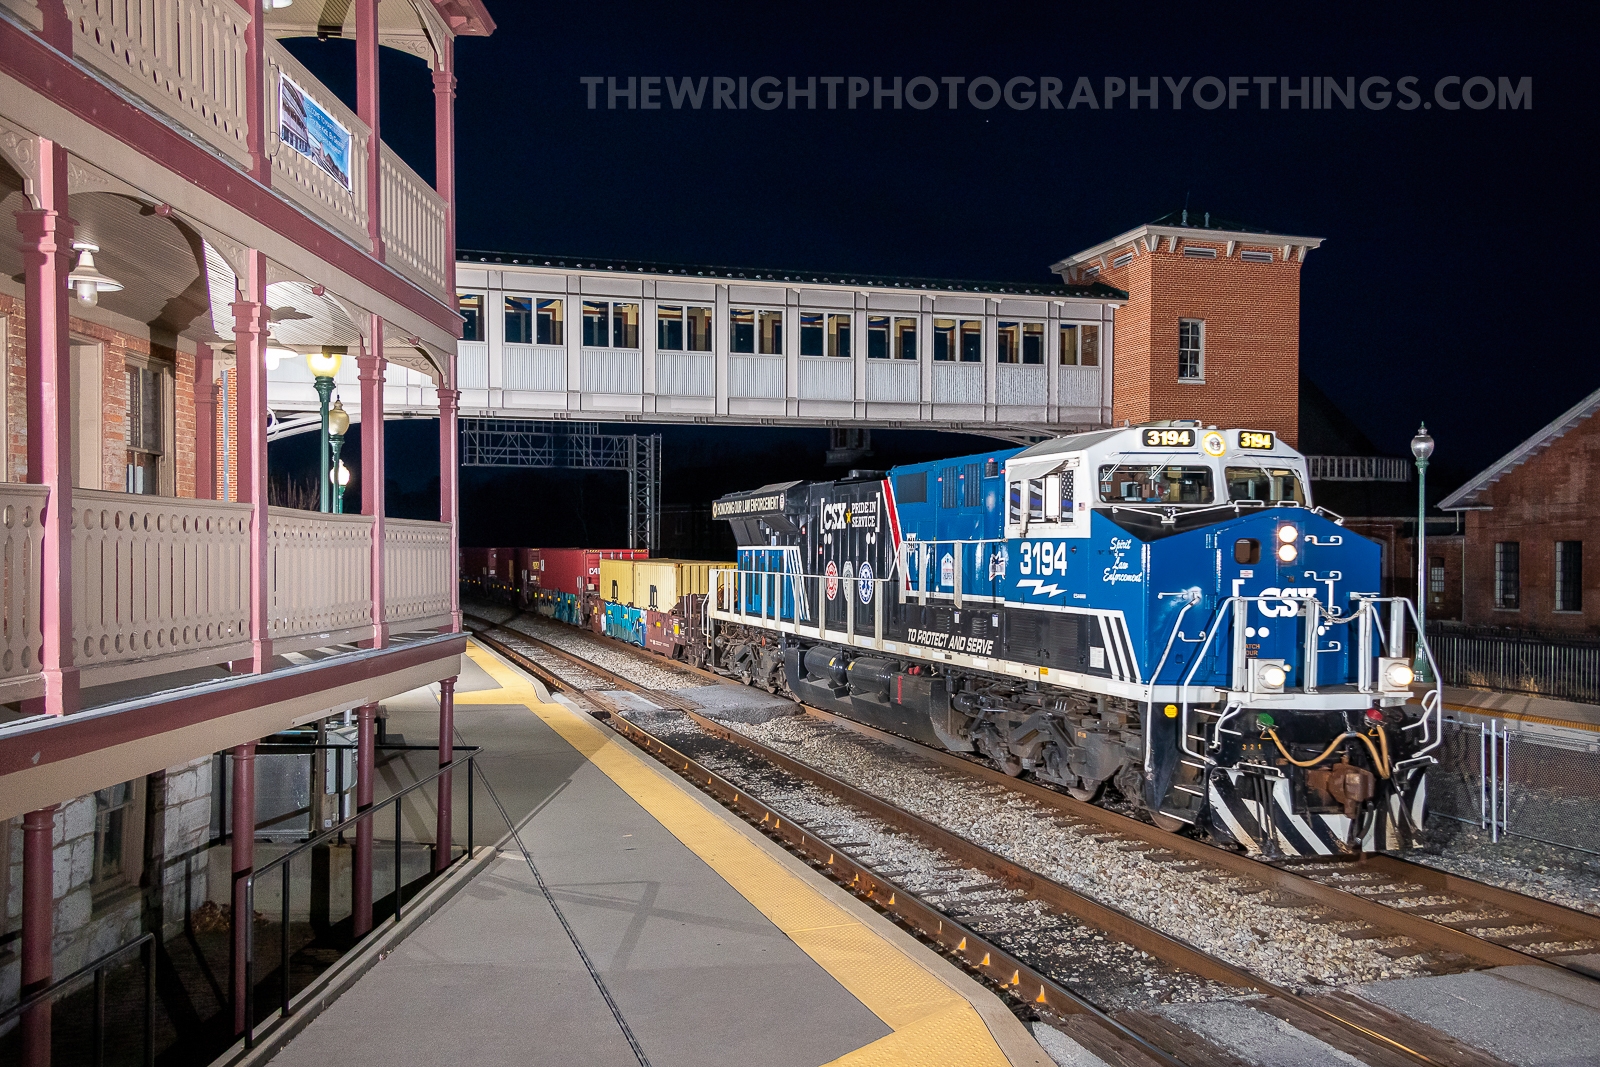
(1113, 975)
(1226, 915)
(632, 666)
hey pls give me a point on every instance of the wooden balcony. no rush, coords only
(162, 585)
(188, 61)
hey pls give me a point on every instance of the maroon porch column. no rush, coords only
(250, 342)
(449, 468)
(447, 730)
(205, 423)
(371, 364)
(361, 891)
(47, 256)
(367, 111)
(444, 150)
(255, 92)
(244, 860)
(38, 920)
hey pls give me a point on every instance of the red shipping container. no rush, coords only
(478, 562)
(577, 570)
(527, 566)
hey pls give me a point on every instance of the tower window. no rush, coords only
(1191, 350)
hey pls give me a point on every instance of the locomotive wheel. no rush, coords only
(1085, 795)
(1167, 822)
(1012, 766)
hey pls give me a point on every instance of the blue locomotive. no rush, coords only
(1158, 611)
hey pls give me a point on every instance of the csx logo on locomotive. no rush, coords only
(1288, 607)
(858, 515)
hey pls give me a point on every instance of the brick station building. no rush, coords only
(190, 204)
(1528, 520)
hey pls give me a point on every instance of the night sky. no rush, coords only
(1452, 286)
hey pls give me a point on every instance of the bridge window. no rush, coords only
(610, 325)
(878, 335)
(1033, 342)
(750, 330)
(1080, 346)
(905, 338)
(839, 335)
(683, 329)
(771, 331)
(669, 328)
(812, 332)
(954, 340)
(971, 341)
(1008, 337)
(1020, 342)
(519, 320)
(697, 329)
(470, 305)
(549, 325)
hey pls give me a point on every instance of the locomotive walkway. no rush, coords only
(702, 941)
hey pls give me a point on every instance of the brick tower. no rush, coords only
(1211, 329)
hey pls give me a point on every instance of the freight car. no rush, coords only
(1157, 612)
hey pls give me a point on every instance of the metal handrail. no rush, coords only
(146, 944)
(284, 861)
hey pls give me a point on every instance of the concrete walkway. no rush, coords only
(714, 945)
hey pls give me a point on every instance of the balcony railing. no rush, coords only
(21, 543)
(314, 187)
(414, 218)
(162, 584)
(188, 60)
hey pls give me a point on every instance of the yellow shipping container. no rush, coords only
(661, 583)
(616, 581)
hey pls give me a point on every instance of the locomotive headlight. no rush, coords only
(1288, 534)
(1288, 553)
(1268, 675)
(1398, 675)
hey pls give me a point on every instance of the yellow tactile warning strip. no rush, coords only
(1493, 713)
(931, 1023)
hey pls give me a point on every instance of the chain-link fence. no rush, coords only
(1506, 779)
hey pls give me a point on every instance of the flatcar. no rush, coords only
(1157, 613)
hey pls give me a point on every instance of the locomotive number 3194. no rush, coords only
(1043, 557)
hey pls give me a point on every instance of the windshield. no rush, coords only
(1270, 484)
(1155, 484)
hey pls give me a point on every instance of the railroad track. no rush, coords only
(1137, 1039)
(1452, 923)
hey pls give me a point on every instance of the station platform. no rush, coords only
(1522, 707)
(702, 942)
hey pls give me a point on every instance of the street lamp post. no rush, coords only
(1422, 448)
(338, 424)
(324, 365)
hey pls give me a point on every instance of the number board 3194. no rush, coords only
(1256, 439)
(1169, 438)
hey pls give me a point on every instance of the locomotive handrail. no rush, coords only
(1191, 598)
(1234, 683)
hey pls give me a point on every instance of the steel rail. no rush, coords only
(1570, 926)
(1335, 1023)
(1283, 879)
(998, 969)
